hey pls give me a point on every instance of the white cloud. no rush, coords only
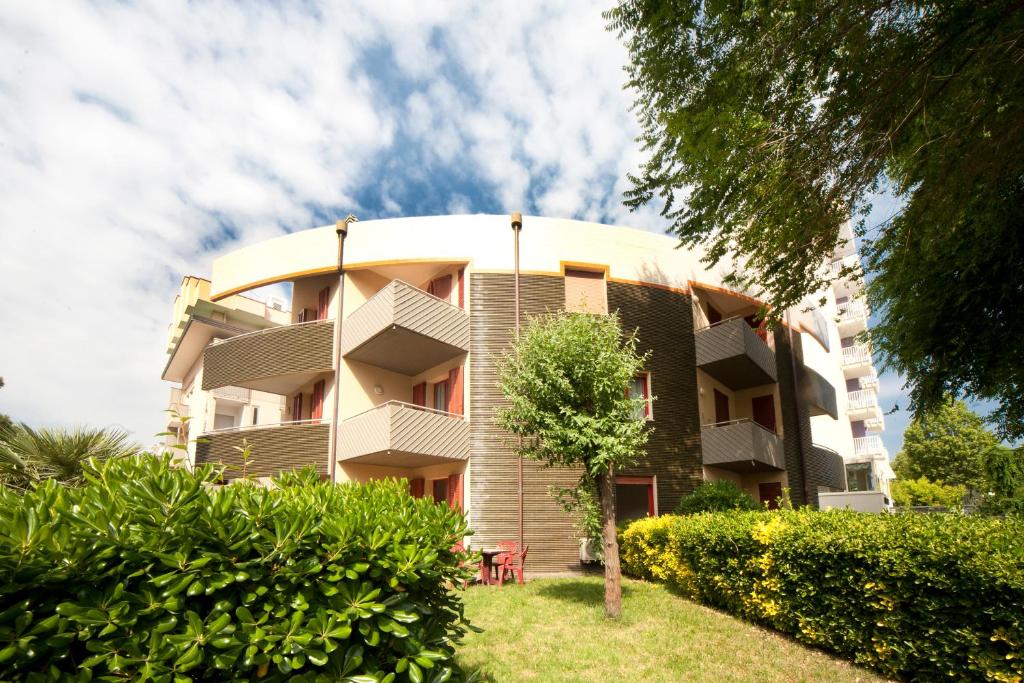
(139, 142)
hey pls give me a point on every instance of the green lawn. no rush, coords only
(555, 630)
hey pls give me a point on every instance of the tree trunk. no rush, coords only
(612, 572)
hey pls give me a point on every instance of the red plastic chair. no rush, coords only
(513, 565)
(508, 547)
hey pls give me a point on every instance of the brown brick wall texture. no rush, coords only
(664, 324)
(274, 449)
(276, 351)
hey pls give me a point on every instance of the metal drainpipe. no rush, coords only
(517, 226)
(341, 228)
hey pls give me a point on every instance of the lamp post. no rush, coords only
(517, 226)
(341, 228)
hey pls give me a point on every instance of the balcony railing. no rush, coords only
(741, 446)
(851, 262)
(398, 434)
(858, 354)
(869, 447)
(852, 311)
(404, 329)
(735, 354)
(869, 381)
(864, 398)
(275, 448)
(239, 394)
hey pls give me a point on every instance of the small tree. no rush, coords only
(566, 379)
(946, 445)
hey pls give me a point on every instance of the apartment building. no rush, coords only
(867, 466)
(402, 349)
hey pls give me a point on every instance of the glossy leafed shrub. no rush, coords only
(914, 596)
(150, 572)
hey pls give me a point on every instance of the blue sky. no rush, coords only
(137, 143)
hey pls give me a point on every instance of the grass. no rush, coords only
(555, 630)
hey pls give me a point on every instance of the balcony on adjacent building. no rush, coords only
(741, 446)
(863, 405)
(735, 354)
(870, 447)
(275, 448)
(396, 434)
(857, 361)
(406, 330)
(853, 318)
(277, 360)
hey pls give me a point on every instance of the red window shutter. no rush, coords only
(419, 394)
(455, 491)
(645, 387)
(441, 287)
(317, 409)
(297, 407)
(322, 301)
(462, 288)
(416, 488)
(455, 401)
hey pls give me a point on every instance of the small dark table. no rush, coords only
(487, 563)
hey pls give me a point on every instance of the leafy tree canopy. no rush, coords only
(946, 445)
(770, 123)
(923, 492)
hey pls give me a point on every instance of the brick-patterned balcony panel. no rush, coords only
(402, 435)
(275, 449)
(404, 329)
(741, 446)
(733, 353)
(825, 467)
(819, 393)
(250, 360)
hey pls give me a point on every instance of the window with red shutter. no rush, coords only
(455, 491)
(416, 488)
(455, 391)
(316, 411)
(323, 300)
(419, 394)
(441, 287)
(297, 407)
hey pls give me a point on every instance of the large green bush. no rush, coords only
(149, 572)
(923, 492)
(715, 496)
(922, 597)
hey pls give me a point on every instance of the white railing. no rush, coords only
(270, 425)
(857, 354)
(869, 381)
(852, 311)
(232, 394)
(836, 266)
(864, 398)
(866, 446)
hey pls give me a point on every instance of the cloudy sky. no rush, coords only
(137, 143)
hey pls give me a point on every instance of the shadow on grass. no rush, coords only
(580, 592)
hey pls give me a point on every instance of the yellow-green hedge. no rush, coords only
(921, 597)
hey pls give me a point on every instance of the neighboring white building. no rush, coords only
(867, 466)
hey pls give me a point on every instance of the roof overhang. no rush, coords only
(196, 336)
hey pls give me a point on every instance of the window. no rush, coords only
(859, 477)
(316, 410)
(441, 396)
(585, 291)
(640, 387)
(323, 300)
(634, 497)
(255, 415)
(441, 287)
(440, 490)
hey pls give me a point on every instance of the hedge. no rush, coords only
(922, 597)
(151, 572)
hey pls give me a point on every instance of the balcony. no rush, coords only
(819, 393)
(828, 467)
(863, 405)
(403, 329)
(237, 394)
(278, 360)
(869, 381)
(853, 318)
(857, 361)
(870, 447)
(274, 448)
(741, 446)
(396, 434)
(734, 354)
